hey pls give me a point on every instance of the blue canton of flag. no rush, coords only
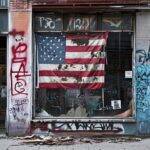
(51, 48)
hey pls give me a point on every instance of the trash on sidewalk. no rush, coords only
(52, 139)
(49, 140)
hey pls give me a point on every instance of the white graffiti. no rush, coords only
(48, 23)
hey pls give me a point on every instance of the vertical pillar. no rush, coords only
(19, 68)
(142, 75)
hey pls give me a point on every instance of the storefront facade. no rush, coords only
(77, 66)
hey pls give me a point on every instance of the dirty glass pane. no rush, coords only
(118, 85)
(115, 98)
(3, 21)
(67, 103)
(116, 22)
(3, 3)
(80, 22)
(112, 100)
(48, 22)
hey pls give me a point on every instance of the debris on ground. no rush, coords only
(70, 140)
(124, 139)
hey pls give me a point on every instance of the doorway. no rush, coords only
(3, 95)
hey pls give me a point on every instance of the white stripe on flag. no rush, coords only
(74, 67)
(74, 55)
(55, 79)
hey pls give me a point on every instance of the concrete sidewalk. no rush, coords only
(16, 144)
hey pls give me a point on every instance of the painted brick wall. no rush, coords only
(142, 71)
(19, 4)
(19, 74)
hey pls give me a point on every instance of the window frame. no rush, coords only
(102, 118)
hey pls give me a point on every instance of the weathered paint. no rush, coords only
(57, 2)
(19, 75)
(20, 87)
(109, 127)
(142, 72)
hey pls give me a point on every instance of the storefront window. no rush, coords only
(114, 97)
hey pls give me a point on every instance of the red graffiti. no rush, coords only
(18, 72)
(14, 33)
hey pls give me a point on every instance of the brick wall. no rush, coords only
(19, 4)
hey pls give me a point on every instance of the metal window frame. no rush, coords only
(86, 119)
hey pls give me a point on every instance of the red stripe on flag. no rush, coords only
(86, 61)
(71, 73)
(83, 48)
(71, 85)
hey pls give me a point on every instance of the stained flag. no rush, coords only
(71, 61)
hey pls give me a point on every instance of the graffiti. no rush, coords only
(79, 23)
(18, 108)
(143, 90)
(18, 71)
(48, 23)
(78, 126)
(144, 127)
(86, 126)
(113, 22)
(143, 56)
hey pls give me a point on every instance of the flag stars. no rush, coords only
(53, 48)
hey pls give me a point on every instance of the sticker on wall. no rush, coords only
(116, 104)
(128, 74)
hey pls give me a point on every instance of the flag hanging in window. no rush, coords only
(71, 61)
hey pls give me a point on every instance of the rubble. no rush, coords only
(70, 140)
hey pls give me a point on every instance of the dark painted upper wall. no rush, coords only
(103, 2)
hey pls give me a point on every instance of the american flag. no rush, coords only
(71, 60)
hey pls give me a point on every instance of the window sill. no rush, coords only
(87, 119)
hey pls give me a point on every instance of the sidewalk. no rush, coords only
(108, 144)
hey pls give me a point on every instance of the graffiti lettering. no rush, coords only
(78, 24)
(142, 56)
(18, 64)
(79, 126)
(83, 126)
(49, 22)
(143, 89)
(18, 108)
